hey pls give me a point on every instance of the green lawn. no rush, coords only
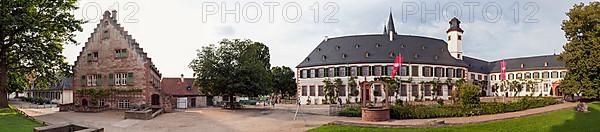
(567, 120)
(11, 121)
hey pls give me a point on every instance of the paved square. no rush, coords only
(251, 119)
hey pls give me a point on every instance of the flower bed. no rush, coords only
(437, 111)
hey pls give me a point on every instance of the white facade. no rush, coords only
(309, 86)
(544, 82)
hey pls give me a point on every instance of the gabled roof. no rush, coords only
(175, 86)
(132, 43)
(378, 48)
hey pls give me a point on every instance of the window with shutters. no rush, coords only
(312, 90)
(342, 71)
(414, 90)
(403, 90)
(427, 90)
(304, 93)
(321, 91)
(414, 71)
(121, 53)
(449, 72)
(342, 91)
(377, 90)
(92, 80)
(123, 78)
(359, 71)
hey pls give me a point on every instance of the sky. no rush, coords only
(172, 31)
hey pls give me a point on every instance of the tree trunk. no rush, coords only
(3, 79)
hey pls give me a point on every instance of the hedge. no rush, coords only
(437, 111)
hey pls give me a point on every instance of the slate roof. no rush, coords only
(65, 83)
(529, 63)
(174, 86)
(354, 49)
(477, 65)
(377, 48)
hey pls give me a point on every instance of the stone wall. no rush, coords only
(67, 127)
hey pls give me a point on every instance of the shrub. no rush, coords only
(469, 93)
(352, 111)
(437, 111)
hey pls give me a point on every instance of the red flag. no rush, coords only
(502, 70)
(397, 65)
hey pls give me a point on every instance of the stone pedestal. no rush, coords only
(375, 114)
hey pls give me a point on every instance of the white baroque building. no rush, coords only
(368, 57)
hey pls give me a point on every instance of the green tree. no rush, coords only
(329, 89)
(516, 87)
(393, 85)
(469, 93)
(582, 51)
(434, 84)
(235, 68)
(32, 34)
(337, 84)
(283, 81)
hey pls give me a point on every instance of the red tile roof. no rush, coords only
(175, 87)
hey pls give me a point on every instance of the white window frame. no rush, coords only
(91, 80)
(120, 78)
(123, 104)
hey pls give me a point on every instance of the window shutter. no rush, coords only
(98, 80)
(130, 78)
(111, 79)
(124, 53)
(82, 81)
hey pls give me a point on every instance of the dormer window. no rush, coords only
(391, 54)
(324, 57)
(522, 65)
(436, 57)
(356, 46)
(545, 64)
(403, 46)
(367, 54)
(343, 56)
(337, 47)
(318, 49)
(423, 47)
(377, 45)
(307, 59)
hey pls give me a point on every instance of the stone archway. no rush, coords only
(155, 99)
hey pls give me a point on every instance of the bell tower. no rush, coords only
(455, 39)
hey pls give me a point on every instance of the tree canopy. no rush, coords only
(32, 34)
(284, 82)
(582, 51)
(235, 68)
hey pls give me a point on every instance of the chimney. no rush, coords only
(182, 78)
(114, 14)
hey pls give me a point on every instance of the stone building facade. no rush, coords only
(113, 71)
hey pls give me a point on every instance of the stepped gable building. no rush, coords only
(113, 71)
(425, 59)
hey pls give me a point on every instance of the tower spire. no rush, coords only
(390, 24)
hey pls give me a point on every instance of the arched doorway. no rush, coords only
(155, 99)
(84, 102)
